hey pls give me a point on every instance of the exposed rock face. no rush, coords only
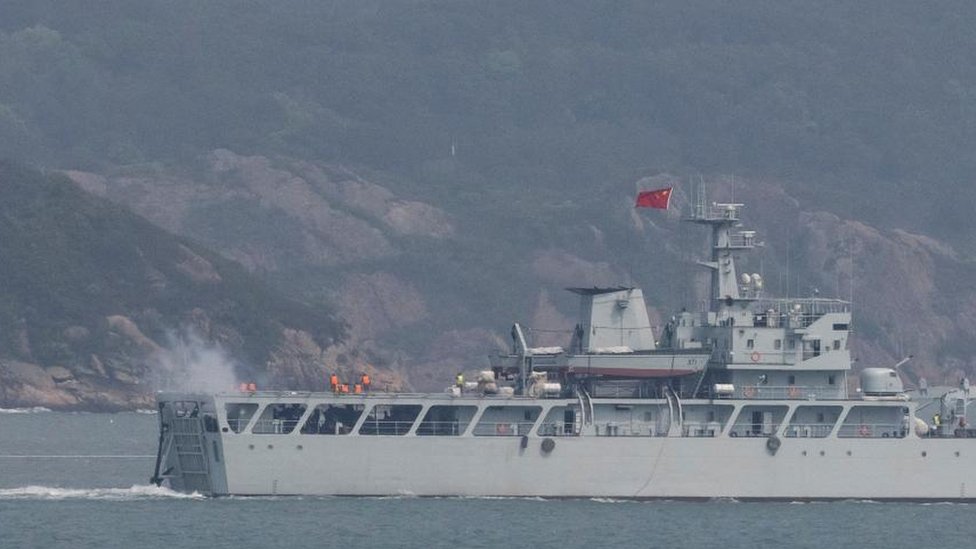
(297, 359)
(136, 366)
(375, 303)
(456, 351)
(335, 216)
(562, 268)
(910, 291)
(100, 308)
(196, 267)
(27, 385)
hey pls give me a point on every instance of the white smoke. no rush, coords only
(191, 364)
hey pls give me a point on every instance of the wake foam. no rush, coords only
(33, 410)
(139, 492)
(611, 500)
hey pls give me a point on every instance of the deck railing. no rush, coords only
(779, 392)
(385, 427)
(556, 429)
(749, 429)
(808, 430)
(626, 429)
(872, 430)
(503, 428)
(274, 426)
(441, 428)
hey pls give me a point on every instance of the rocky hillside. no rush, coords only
(431, 171)
(99, 308)
(426, 291)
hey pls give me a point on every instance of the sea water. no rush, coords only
(81, 480)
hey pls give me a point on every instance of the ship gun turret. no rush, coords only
(881, 383)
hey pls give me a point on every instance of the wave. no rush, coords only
(31, 410)
(612, 500)
(138, 492)
(489, 498)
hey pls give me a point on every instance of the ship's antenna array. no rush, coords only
(850, 253)
(699, 199)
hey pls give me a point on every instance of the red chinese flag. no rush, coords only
(654, 199)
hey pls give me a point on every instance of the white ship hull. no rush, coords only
(577, 466)
(608, 467)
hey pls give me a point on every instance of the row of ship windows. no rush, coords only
(810, 346)
(399, 419)
(394, 419)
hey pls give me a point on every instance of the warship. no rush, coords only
(748, 397)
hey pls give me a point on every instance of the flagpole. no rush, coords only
(630, 261)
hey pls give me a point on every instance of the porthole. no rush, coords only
(957, 453)
(250, 446)
(849, 453)
(803, 453)
(924, 454)
(299, 447)
(271, 447)
(822, 453)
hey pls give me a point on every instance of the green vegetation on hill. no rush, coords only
(528, 123)
(867, 104)
(69, 259)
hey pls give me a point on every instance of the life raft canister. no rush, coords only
(548, 445)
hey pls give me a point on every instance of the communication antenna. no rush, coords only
(700, 199)
(850, 252)
(789, 246)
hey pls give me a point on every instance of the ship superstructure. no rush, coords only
(744, 398)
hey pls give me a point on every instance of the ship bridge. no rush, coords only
(796, 313)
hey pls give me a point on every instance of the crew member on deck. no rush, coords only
(334, 382)
(364, 381)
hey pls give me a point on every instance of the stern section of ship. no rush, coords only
(190, 456)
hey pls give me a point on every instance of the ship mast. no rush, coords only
(726, 241)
